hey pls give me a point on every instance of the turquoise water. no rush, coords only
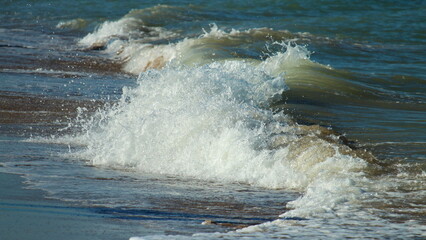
(273, 119)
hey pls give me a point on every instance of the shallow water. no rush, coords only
(297, 119)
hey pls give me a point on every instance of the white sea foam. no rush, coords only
(200, 112)
(124, 29)
(136, 44)
(130, 27)
(213, 122)
(314, 229)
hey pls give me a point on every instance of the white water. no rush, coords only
(213, 122)
(208, 117)
(125, 40)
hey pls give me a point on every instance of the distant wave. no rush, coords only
(140, 45)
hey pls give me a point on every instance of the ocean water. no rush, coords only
(217, 119)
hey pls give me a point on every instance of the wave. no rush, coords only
(141, 47)
(214, 122)
(142, 43)
(133, 27)
(203, 109)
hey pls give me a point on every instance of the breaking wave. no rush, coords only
(203, 109)
(213, 121)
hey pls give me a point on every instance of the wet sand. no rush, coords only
(24, 109)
